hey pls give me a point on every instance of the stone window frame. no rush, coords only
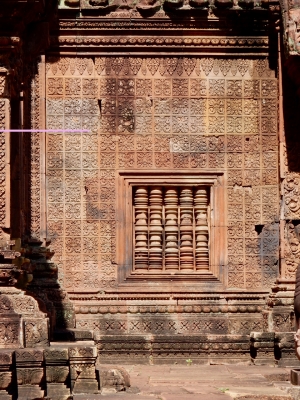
(127, 179)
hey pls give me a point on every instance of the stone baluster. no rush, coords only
(155, 228)
(171, 229)
(141, 228)
(186, 229)
(201, 229)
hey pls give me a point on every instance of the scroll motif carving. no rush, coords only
(292, 195)
(35, 176)
(292, 249)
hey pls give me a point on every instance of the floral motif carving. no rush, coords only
(291, 196)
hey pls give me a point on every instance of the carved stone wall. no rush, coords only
(163, 118)
(207, 114)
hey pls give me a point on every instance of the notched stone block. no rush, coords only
(116, 378)
(73, 334)
(295, 376)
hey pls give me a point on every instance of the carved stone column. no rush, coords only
(171, 229)
(201, 229)
(141, 228)
(186, 229)
(155, 228)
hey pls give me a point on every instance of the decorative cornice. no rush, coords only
(166, 41)
(150, 43)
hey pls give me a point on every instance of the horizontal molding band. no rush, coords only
(161, 42)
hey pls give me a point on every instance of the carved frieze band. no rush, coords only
(165, 65)
(164, 42)
(165, 325)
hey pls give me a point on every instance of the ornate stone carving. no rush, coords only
(141, 228)
(29, 372)
(201, 229)
(186, 228)
(291, 249)
(155, 228)
(291, 189)
(82, 369)
(171, 229)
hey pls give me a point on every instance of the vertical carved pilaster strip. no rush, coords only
(42, 105)
(171, 229)
(4, 167)
(186, 229)
(155, 228)
(35, 173)
(201, 230)
(141, 228)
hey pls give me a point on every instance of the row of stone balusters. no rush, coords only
(160, 248)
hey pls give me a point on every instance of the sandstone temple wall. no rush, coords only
(161, 120)
(149, 187)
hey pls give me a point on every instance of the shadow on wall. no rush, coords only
(291, 187)
(262, 256)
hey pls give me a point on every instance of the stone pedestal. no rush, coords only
(295, 376)
(7, 386)
(82, 368)
(285, 347)
(30, 373)
(262, 348)
(57, 373)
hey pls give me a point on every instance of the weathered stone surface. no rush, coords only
(82, 368)
(157, 198)
(113, 377)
